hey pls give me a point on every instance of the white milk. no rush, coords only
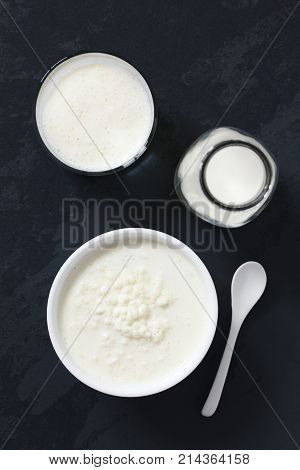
(223, 180)
(147, 322)
(95, 112)
(235, 175)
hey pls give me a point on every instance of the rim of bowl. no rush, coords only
(132, 389)
(49, 151)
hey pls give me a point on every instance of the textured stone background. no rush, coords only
(195, 55)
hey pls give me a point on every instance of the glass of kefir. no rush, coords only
(226, 177)
(95, 113)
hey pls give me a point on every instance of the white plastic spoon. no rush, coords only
(248, 285)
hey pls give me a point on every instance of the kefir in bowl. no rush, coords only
(95, 113)
(132, 312)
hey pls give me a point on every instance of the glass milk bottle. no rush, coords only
(226, 177)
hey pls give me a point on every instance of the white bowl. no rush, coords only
(73, 263)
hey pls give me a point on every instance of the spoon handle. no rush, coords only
(214, 396)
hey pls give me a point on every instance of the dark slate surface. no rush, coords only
(196, 55)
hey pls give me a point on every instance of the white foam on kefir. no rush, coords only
(95, 112)
(148, 322)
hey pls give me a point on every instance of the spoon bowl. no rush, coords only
(248, 285)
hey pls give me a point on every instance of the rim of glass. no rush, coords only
(264, 189)
(132, 159)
